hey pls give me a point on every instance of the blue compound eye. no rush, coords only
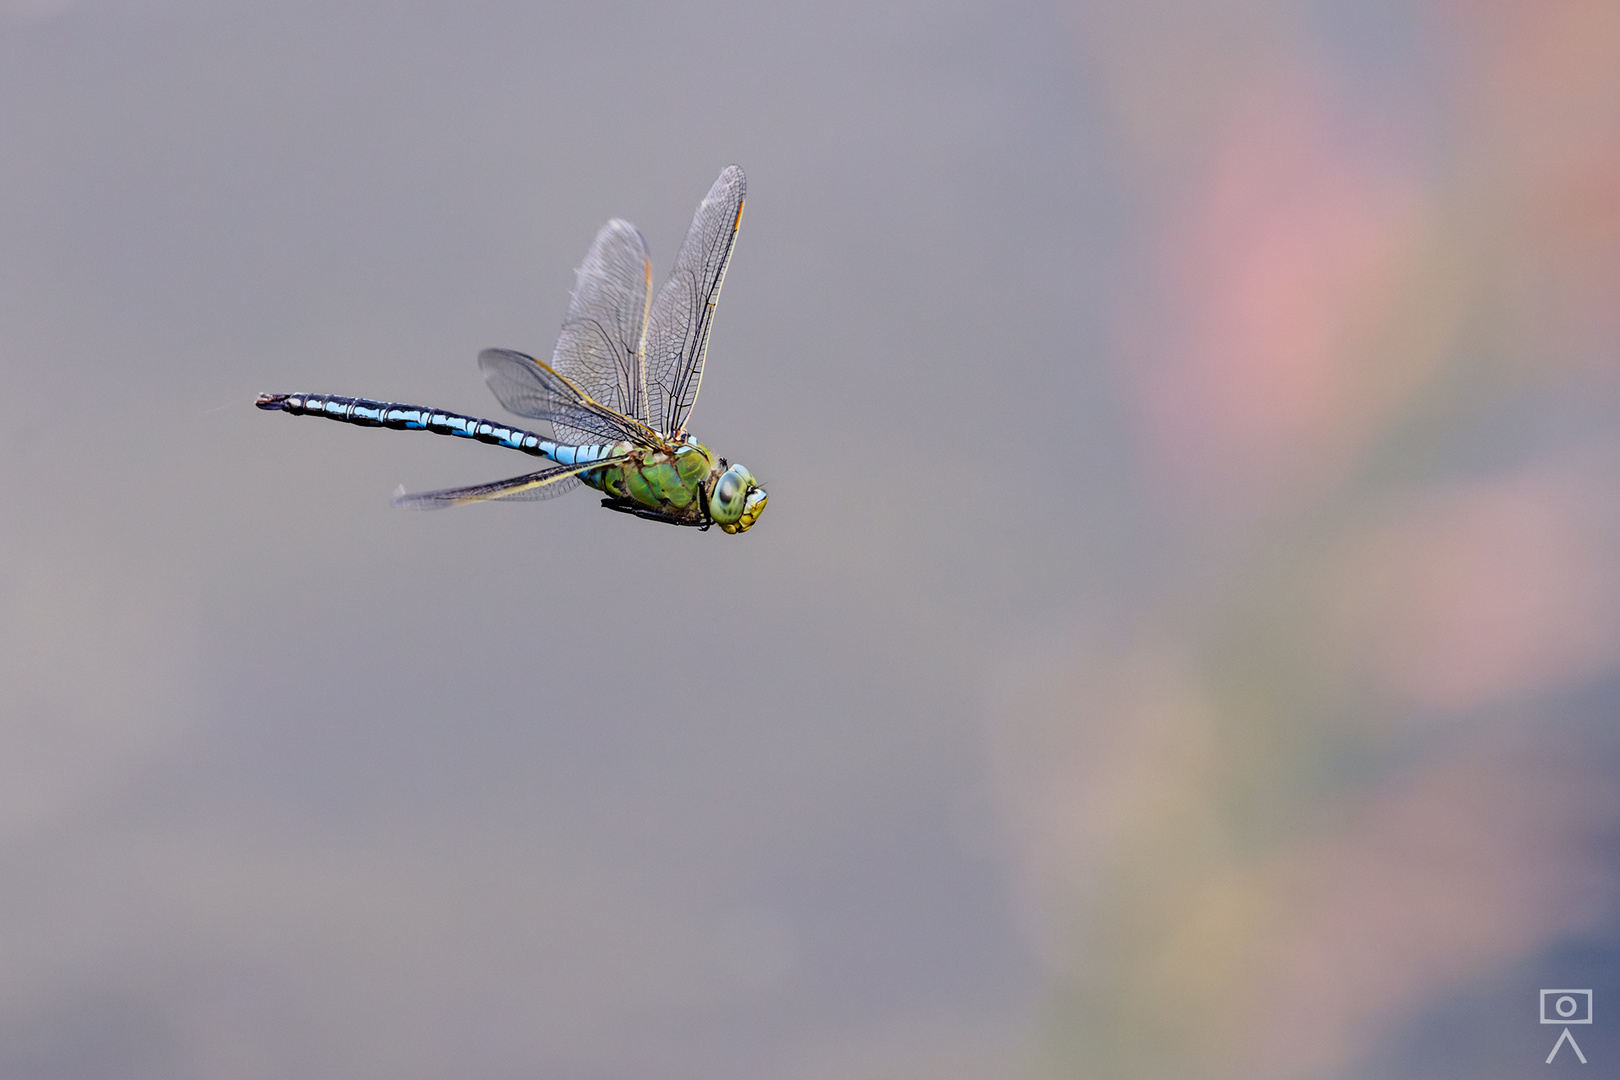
(729, 487)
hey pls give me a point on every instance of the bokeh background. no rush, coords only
(1184, 640)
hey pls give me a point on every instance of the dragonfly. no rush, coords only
(617, 393)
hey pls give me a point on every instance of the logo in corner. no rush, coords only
(1566, 1007)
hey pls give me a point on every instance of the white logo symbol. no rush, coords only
(1566, 1007)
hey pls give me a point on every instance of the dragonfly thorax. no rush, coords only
(683, 484)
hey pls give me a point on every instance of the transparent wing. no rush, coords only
(683, 314)
(531, 487)
(529, 388)
(604, 337)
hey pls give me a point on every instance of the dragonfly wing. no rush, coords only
(604, 337)
(683, 314)
(530, 487)
(529, 388)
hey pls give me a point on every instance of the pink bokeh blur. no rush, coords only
(1319, 779)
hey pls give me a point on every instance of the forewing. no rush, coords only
(604, 336)
(531, 487)
(683, 313)
(527, 387)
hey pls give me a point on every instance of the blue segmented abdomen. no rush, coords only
(389, 414)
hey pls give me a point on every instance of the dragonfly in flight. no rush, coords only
(618, 390)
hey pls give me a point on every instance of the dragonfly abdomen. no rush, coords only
(390, 414)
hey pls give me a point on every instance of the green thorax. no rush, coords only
(672, 482)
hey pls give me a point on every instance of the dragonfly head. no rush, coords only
(736, 500)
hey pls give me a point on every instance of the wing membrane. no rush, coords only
(604, 337)
(683, 313)
(530, 487)
(527, 387)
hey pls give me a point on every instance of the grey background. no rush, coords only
(302, 785)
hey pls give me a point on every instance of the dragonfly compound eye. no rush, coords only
(733, 494)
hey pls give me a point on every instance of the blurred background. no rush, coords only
(1184, 640)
